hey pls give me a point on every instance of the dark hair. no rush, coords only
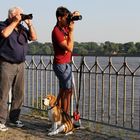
(62, 11)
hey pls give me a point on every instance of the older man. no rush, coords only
(13, 48)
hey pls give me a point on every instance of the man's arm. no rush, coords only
(9, 29)
(32, 32)
(67, 44)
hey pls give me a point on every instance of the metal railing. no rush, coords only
(109, 88)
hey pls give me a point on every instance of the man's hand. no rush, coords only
(71, 25)
(16, 19)
(76, 13)
(28, 22)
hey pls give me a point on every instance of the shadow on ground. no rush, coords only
(36, 129)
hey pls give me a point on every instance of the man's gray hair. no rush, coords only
(13, 9)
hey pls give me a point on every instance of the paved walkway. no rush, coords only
(36, 129)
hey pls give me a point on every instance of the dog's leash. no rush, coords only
(76, 114)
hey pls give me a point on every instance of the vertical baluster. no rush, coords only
(109, 92)
(102, 101)
(83, 87)
(132, 102)
(33, 91)
(89, 97)
(124, 94)
(116, 117)
(96, 89)
(36, 87)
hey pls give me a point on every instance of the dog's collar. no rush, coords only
(49, 108)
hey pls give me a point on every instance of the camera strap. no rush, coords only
(63, 31)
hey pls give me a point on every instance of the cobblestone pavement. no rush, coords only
(36, 129)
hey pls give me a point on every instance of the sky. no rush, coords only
(103, 20)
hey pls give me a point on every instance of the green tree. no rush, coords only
(132, 50)
(137, 45)
(82, 51)
(127, 46)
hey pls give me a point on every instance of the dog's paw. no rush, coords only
(52, 133)
(69, 133)
(50, 129)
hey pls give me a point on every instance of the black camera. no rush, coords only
(73, 18)
(24, 17)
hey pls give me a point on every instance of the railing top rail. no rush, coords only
(94, 55)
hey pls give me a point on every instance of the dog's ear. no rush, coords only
(52, 99)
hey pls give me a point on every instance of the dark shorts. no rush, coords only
(64, 75)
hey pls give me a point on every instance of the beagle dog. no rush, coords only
(61, 121)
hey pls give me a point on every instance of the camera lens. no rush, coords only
(74, 18)
(24, 17)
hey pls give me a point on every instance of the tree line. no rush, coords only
(89, 48)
